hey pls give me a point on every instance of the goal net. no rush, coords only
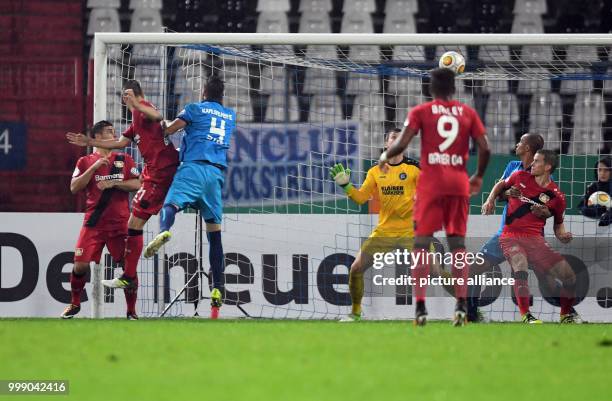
(304, 103)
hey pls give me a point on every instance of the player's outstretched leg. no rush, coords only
(217, 267)
(133, 250)
(78, 278)
(166, 221)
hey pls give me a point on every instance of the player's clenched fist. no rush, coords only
(341, 176)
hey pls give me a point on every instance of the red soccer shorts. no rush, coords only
(149, 199)
(91, 242)
(433, 213)
(534, 248)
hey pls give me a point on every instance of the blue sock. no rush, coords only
(166, 218)
(215, 256)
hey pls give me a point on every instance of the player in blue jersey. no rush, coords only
(198, 182)
(525, 149)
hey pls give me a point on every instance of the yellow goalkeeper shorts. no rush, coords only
(387, 241)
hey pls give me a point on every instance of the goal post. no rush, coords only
(307, 101)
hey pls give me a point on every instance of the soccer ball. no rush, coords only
(453, 61)
(599, 198)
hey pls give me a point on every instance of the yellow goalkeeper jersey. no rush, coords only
(396, 191)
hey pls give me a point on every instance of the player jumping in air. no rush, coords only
(395, 229)
(525, 149)
(199, 180)
(522, 241)
(161, 161)
(443, 190)
(106, 177)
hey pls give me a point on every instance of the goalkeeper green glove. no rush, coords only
(342, 177)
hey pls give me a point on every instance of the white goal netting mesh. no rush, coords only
(289, 234)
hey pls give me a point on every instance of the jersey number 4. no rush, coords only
(218, 130)
(448, 128)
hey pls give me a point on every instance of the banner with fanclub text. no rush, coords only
(283, 163)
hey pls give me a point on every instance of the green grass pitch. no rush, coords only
(308, 360)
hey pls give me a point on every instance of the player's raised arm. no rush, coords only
(79, 139)
(175, 126)
(342, 177)
(497, 189)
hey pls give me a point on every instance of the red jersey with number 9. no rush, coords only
(446, 128)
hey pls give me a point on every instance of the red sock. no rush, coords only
(567, 299)
(421, 271)
(460, 270)
(133, 250)
(131, 295)
(521, 291)
(77, 283)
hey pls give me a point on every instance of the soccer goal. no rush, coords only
(307, 101)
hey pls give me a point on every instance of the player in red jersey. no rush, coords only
(522, 241)
(161, 161)
(443, 190)
(106, 177)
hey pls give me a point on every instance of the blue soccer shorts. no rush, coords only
(492, 251)
(198, 185)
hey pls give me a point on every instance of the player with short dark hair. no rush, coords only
(492, 253)
(396, 190)
(198, 183)
(161, 161)
(522, 241)
(107, 178)
(444, 188)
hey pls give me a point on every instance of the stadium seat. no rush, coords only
(323, 52)
(607, 84)
(103, 20)
(241, 105)
(407, 92)
(572, 86)
(276, 108)
(325, 109)
(236, 77)
(545, 115)
(501, 114)
(494, 53)
(272, 79)
(369, 108)
(494, 80)
(146, 20)
(581, 54)
(537, 7)
(364, 53)
(527, 23)
(589, 114)
(315, 22)
(320, 81)
(154, 4)
(319, 6)
(401, 7)
(399, 24)
(273, 5)
(272, 22)
(539, 82)
(362, 83)
(536, 54)
(357, 23)
(359, 6)
(103, 3)
(152, 86)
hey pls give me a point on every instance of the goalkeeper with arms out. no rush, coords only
(396, 189)
(198, 182)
